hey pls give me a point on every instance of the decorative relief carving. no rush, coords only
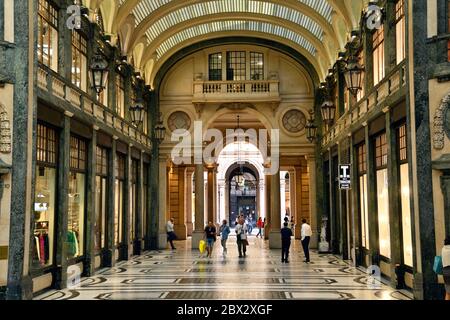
(440, 124)
(294, 121)
(5, 131)
(179, 120)
(236, 106)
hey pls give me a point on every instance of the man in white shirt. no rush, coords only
(170, 232)
(306, 237)
(241, 236)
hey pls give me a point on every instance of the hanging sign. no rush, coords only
(344, 177)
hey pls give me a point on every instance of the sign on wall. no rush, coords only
(344, 177)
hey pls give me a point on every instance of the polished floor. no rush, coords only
(185, 274)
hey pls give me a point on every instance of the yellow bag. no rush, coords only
(202, 246)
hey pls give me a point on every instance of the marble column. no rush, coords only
(180, 226)
(297, 178)
(311, 160)
(109, 258)
(393, 192)
(162, 188)
(188, 201)
(212, 169)
(19, 285)
(89, 261)
(275, 221)
(124, 251)
(268, 203)
(197, 235)
(138, 234)
(62, 203)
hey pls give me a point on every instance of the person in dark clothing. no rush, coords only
(210, 235)
(286, 234)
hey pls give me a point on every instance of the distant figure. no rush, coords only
(292, 225)
(210, 235)
(171, 233)
(259, 224)
(224, 231)
(241, 236)
(286, 234)
(306, 237)
(446, 266)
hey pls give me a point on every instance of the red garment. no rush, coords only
(42, 249)
(260, 224)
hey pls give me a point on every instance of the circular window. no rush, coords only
(179, 120)
(294, 121)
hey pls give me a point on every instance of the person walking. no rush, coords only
(210, 235)
(224, 231)
(170, 232)
(306, 237)
(446, 266)
(241, 236)
(286, 234)
(259, 224)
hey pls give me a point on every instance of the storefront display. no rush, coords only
(100, 199)
(76, 198)
(119, 188)
(45, 198)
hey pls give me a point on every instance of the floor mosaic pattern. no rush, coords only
(185, 274)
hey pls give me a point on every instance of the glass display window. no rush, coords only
(76, 198)
(44, 198)
(47, 41)
(363, 196)
(119, 189)
(79, 60)
(145, 193)
(100, 198)
(133, 198)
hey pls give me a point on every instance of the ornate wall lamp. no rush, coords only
(311, 128)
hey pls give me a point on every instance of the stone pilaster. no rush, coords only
(188, 201)
(374, 256)
(62, 201)
(212, 171)
(354, 214)
(311, 160)
(268, 204)
(394, 190)
(162, 188)
(108, 259)
(89, 262)
(2, 19)
(297, 177)
(124, 245)
(197, 235)
(19, 284)
(275, 221)
(137, 241)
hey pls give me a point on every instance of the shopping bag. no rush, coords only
(437, 267)
(202, 246)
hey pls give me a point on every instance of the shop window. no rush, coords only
(405, 196)
(47, 44)
(79, 60)
(145, 193)
(400, 30)
(256, 66)
(382, 195)
(101, 198)
(363, 206)
(45, 197)
(133, 198)
(120, 96)
(215, 67)
(236, 65)
(119, 188)
(76, 197)
(378, 56)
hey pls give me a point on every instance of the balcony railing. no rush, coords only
(205, 91)
(52, 83)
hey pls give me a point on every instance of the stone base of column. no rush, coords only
(137, 247)
(162, 240)
(266, 231)
(314, 244)
(275, 240)
(108, 259)
(196, 237)
(123, 252)
(189, 228)
(22, 290)
(60, 278)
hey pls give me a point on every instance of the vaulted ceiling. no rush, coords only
(150, 31)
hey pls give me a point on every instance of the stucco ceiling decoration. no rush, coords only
(151, 29)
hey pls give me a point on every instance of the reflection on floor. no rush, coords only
(184, 274)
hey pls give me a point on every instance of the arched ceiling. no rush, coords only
(152, 30)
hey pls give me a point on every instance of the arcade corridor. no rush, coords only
(156, 275)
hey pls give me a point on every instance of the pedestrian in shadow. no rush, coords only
(286, 234)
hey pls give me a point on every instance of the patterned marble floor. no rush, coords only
(184, 274)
